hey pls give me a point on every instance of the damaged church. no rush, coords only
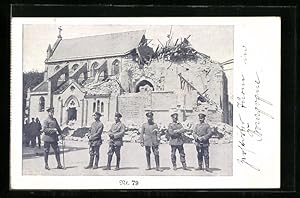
(120, 72)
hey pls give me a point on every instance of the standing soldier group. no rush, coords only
(149, 137)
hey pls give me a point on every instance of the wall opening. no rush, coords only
(144, 86)
(42, 104)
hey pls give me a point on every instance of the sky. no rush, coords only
(214, 41)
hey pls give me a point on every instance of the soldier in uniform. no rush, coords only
(50, 137)
(176, 132)
(95, 141)
(150, 139)
(116, 134)
(202, 133)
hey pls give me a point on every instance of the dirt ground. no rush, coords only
(133, 161)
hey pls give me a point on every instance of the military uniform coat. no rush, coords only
(202, 130)
(118, 131)
(149, 137)
(176, 131)
(95, 133)
(50, 129)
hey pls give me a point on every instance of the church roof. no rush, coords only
(42, 87)
(67, 84)
(114, 44)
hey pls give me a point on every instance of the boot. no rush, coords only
(90, 165)
(59, 166)
(199, 166)
(157, 163)
(148, 162)
(46, 161)
(207, 166)
(184, 167)
(118, 164)
(108, 163)
(174, 166)
(96, 162)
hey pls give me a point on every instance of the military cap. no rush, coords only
(173, 114)
(201, 115)
(149, 114)
(117, 114)
(97, 113)
(50, 109)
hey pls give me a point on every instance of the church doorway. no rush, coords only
(72, 113)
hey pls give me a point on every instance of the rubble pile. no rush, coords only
(105, 87)
(80, 132)
(179, 52)
(222, 133)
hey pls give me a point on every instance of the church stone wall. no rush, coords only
(34, 107)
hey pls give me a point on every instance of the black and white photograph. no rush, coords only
(127, 100)
(133, 103)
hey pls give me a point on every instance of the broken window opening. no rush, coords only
(201, 99)
(144, 86)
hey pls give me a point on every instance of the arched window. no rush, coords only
(102, 107)
(116, 67)
(98, 105)
(74, 67)
(42, 104)
(94, 65)
(94, 106)
(57, 68)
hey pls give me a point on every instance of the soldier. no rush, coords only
(176, 132)
(39, 127)
(95, 141)
(150, 139)
(116, 134)
(202, 133)
(34, 131)
(50, 137)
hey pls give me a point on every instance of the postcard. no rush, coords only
(145, 103)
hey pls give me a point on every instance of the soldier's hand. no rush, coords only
(154, 131)
(142, 144)
(200, 139)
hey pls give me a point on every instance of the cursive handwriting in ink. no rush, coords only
(241, 100)
(242, 145)
(245, 54)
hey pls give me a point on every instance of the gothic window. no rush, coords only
(116, 67)
(94, 106)
(74, 67)
(57, 68)
(98, 105)
(102, 107)
(42, 104)
(94, 65)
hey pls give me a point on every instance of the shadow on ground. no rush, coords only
(29, 153)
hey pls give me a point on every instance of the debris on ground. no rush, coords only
(222, 133)
(80, 132)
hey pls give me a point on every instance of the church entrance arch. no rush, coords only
(144, 86)
(71, 105)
